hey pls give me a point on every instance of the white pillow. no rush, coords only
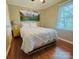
(34, 24)
(25, 24)
(29, 24)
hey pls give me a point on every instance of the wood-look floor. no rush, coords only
(62, 50)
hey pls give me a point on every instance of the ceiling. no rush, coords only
(36, 5)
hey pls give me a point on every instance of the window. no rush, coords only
(65, 17)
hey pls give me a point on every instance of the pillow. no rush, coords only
(34, 24)
(25, 24)
(29, 24)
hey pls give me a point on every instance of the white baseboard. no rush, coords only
(65, 40)
(8, 49)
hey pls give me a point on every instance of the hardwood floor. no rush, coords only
(62, 50)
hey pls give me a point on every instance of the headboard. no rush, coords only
(29, 16)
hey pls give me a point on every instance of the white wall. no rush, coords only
(8, 28)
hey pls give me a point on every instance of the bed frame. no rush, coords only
(43, 47)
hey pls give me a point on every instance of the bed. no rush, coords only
(35, 37)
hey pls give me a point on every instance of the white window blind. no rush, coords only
(65, 16)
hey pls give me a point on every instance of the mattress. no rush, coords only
(36, 37)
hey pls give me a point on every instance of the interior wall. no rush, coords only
(8, 28)
(49, 18)
(14, 12)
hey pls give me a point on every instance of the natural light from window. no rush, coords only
(65, 16)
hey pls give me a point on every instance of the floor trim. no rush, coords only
(8, 49)
(65, 40)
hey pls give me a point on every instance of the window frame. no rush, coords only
(59, 10)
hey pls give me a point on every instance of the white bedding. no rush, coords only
(36, 37)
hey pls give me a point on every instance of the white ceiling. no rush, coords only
(36, 5)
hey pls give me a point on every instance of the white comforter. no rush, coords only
(35, 37)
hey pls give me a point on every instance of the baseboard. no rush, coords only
(8, 49)
(65, 40)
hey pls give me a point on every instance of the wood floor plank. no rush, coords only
(63, 50)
